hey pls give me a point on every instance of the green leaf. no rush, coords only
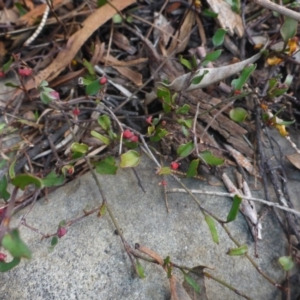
(43, 84)
(239, 82)
(209, 13)
(193, 168)
(165, 171)
(101, 2)
(117, 19)
(218, 37)
(286, 123)
(105, 140)
(194, 62)
(45, 98)
(210, 159)
(211, 57)
(93, 88)
(288, 80)
(236, 6)
(286, 262)
(185, 62)
(4, 267)
(16, 247)
(183, 109)
(12, 85)
(103, 210)
(54, 241)
(185, 149)
(238, 251)
(107, 166)
(4, 194)
(22, 180)
(188, 123)
(11, 170)
(159, 134)
(192, 283)
(237, 200)
(198, 79)
(79, 147)
(212, 227)
(238, 114)
(164, 95)
(185, 131)
(88, 66)
(288, 29)
(21, 10)
(140, 269)
(130, 159)
(52, 179)
(104, 122)
(7, 65)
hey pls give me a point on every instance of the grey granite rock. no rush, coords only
(90, 261)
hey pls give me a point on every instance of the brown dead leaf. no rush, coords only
(242, 161)
(198, 276)
(150, 253)
(8, 16)
(133, 76)
(123, 43)
(294, 160)
(92, 23)
(31, 17)
(183, 34)
(177, 290)
(228, 19)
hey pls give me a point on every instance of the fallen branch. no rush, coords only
(221, 194)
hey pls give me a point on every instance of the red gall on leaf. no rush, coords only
(237, 92)
(174, 165)
(61, 231)
(149, 120)
(76, 111)
(2, 74)
(54, 95)
(25, 71)
(134, 138)
(103, 80)
(127, 134)
(2, 256)
(163, 182)
(70, 170)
